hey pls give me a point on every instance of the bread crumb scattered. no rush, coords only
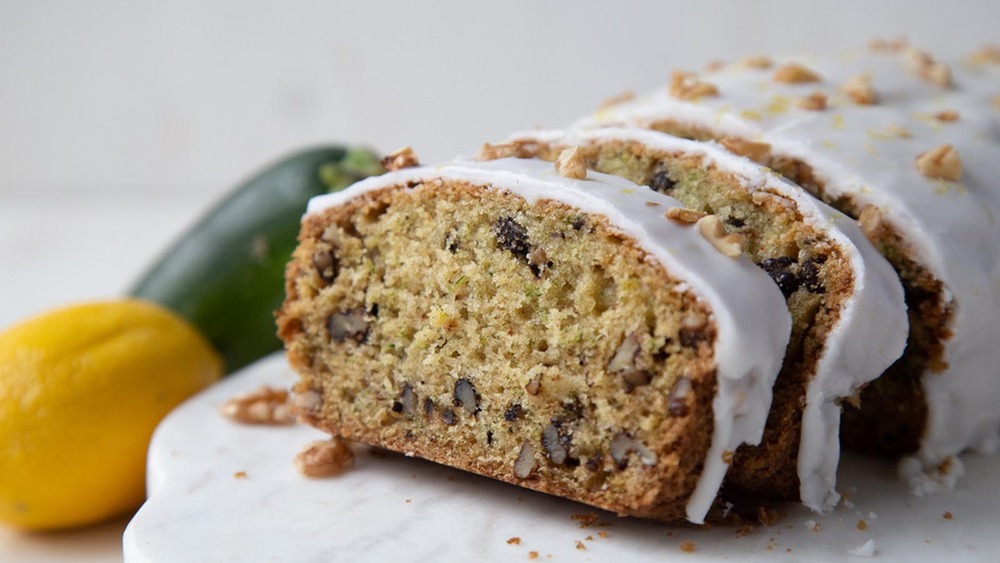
(688, 546)
(532, 555)
(514, 541)
(240, 475)
(862, 525)
(602, 534)
(324, 458)
(585, 518)
(580, 546)
(947, 515)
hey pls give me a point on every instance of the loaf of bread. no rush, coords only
(563, 330)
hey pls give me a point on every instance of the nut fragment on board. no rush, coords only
(324, 458)
(266, 405)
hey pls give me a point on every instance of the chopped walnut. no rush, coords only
(684, 86)
(571, 164)
(711, 228)
(759, 62)
(815, 101)
(946, 116)
(684, 215)
(324, 458)
(899, 131)
(929, 69)
(402, 158)
(888, 46)
(794, 73)
(715, 66)
(757, 152)
(621, 98)
(941, 162)
(266, 405)
(870, 220)
(860, 90)
(987, 54)
(492, 152)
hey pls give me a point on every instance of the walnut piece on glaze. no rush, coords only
(929, 69)
(324, 458)
(899, 131)
(880, 45)
(571, 164)
(813, 102)
(794, 73)
(946, 116)
(941, 162)
(987, 54)
(399, 159)
(266, 405)
(859, 89)
(492, 152)
(711, 228)
(755, 151)
(620, 98)
(759, 62)
(684, 215)
(685, 86)
(871, 221)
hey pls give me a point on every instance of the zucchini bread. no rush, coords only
(556, 328)
(848, 316)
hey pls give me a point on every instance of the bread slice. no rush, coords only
(848, 316)
(559, 334)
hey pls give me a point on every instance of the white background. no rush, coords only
(120, 121)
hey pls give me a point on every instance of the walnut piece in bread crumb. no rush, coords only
(684, 215)
(324, 458)
(941, 162)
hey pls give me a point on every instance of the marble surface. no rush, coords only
(389, 507)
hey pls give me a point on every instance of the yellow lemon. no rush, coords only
(81, 390)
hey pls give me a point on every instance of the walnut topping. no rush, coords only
(402, 158)
(684, 215)
(729, 244)
(757, 152)
(684, 86)
(794, 73)
(929, 69)
(888, 46)
(860, 90)
(493, 152)
(815, 101)
(324, 458)
(987, 54)
(899, 131)
(759, 62)
(941, 162)
(571, 164)
(870, 220)
(946, 116)
(621, 98)
(266, 405)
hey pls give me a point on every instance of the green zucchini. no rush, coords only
(225, 274)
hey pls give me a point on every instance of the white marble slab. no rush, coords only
(394, 508)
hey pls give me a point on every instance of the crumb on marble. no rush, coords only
(580, 546)
(324, 458)
(947, 515)
(514, 541)
(584, 518)
(240, 475)
(688, 546)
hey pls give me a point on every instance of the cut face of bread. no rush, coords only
(907, 145)
(558, 334)
(849, 321)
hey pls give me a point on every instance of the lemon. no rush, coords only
(81, 390)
